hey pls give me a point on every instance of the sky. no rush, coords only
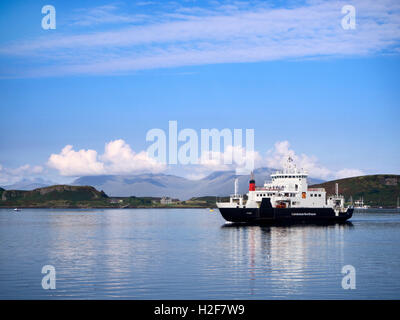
(79, 99)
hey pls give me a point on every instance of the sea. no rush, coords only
(194, 254)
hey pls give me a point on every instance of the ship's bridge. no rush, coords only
(289, 179)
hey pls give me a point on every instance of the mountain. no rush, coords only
(377, 190)
(219, 183)
(29, 184)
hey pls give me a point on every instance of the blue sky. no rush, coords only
(111, 71)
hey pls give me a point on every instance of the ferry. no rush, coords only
(287, 198)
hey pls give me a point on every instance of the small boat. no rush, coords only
(359, 204)
(16, 209)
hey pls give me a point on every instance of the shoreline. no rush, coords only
(104, 207)
(158, 207)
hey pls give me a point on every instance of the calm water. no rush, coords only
(193, 254)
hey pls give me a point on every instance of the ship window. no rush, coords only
(311, 195)
(319, 195)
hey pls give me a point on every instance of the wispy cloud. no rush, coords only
(187, 36)
(107, 14)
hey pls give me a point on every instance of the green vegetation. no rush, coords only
(207, 201)
(64, 196)
(54, 196)
(377, 190)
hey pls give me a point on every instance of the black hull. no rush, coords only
(284, 215)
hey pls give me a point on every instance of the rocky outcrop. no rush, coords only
(57, 192)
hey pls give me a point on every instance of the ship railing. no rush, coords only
(270, 189)
(236, 196)
(334, 196)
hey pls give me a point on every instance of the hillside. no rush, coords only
(377, 190)
(54, 196)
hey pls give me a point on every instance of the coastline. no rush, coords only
(155, 207)
(108, 207)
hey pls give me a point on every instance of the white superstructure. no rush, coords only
(287, 189)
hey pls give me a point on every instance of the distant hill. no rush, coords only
(219, 183)
(377, 190)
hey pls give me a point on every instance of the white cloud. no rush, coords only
(277, 158)
(12, 175)
(118, 158)
(74, 163)
(220, 34)
(232, 158)
(347, 173)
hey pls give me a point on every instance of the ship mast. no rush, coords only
(236, 186)
(337, 189)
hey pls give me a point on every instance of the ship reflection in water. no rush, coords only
(193, 254)
(284, 257)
